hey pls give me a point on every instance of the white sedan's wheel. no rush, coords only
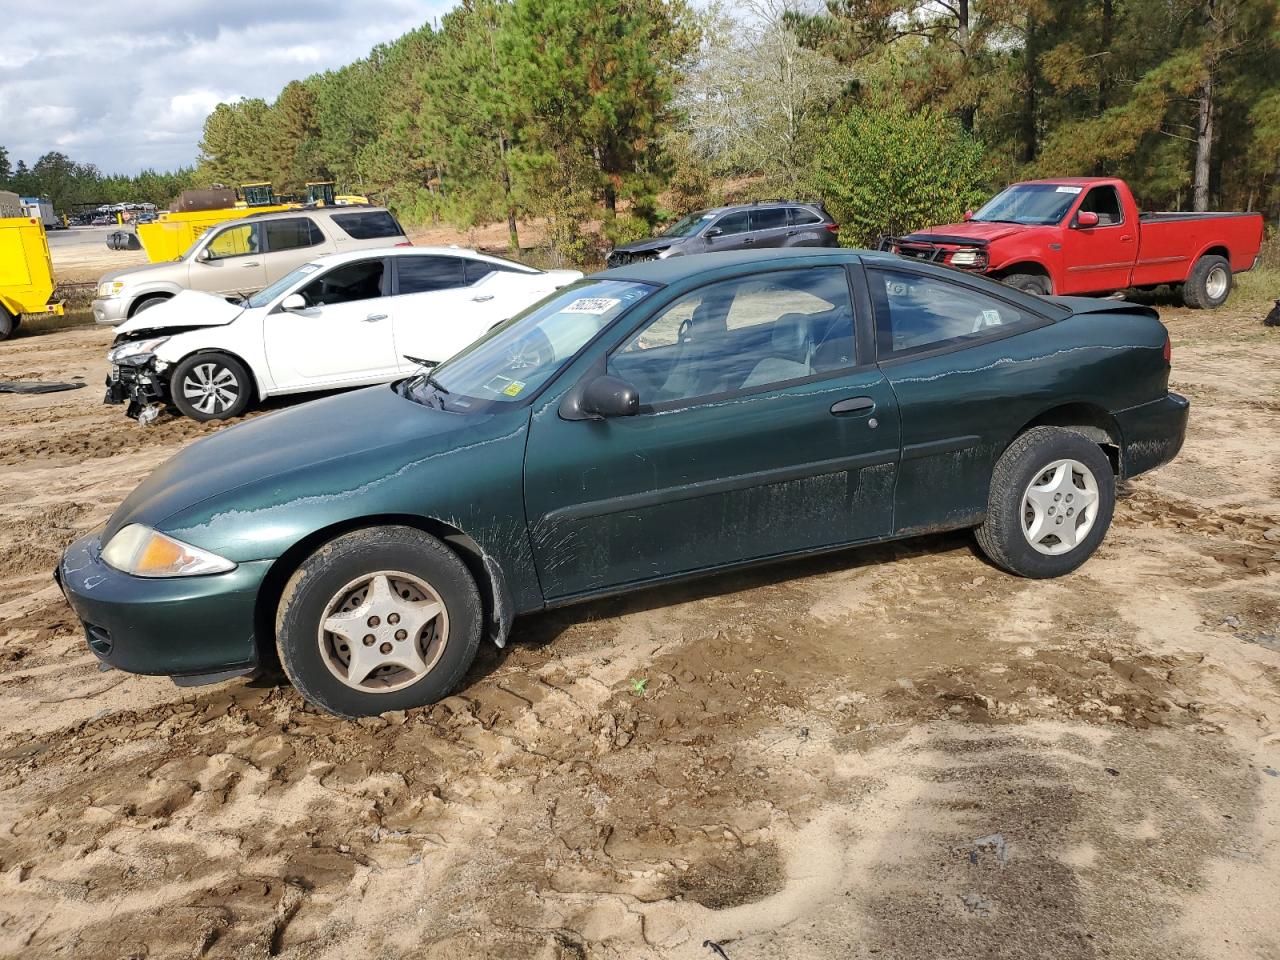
(211, 386)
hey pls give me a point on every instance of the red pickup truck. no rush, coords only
(1085, 235)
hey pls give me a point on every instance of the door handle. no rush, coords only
(792, 233)
(483, 298)
(375, 317)
(749, 240)
(248, 265)
(1126, 237)
(853, 405)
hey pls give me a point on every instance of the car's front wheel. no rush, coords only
(211, 386)
(1051, 500)
(381, 619)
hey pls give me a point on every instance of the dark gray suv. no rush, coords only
(744, 226)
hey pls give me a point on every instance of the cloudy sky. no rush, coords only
(126, 84)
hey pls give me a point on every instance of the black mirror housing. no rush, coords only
(607, 396)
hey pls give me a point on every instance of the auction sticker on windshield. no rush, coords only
(597, 306)
(1069, 189)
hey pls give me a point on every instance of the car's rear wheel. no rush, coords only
(1029, 283)
(1209, 283)
(376, 620)
(211, 386)
(1051, 501)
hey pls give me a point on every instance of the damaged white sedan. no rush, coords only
(346, 320)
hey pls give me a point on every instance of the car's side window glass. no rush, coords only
(801, 217)
(770, 218)
(477, 270)
(732, 223)
(428, 274)
(1105, 202)
(234, 242)
(916, 313)
(348, 283)
(292, 234)
(741, 334)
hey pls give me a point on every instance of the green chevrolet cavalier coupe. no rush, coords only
(650, 423)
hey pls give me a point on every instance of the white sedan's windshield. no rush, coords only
(267, 294)
(514, 359)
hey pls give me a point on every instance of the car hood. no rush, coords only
(188, 309)
(647, 246)
(137, 272)
(243, 491)
(969, 232)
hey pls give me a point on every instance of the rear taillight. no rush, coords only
(1168, 351)
(407, 243)
(833, 228)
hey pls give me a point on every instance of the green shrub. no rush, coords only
(890, 171)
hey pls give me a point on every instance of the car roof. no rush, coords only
(364, 253)
(251, 217)
(675, 269)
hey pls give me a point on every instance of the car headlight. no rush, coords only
(135, 347)
(143, 552)
(969, 258)
(110, 288)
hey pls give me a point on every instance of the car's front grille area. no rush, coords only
(99, 639)
(621, 258)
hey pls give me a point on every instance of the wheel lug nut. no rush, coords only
(1052, 511)
(369, 640)
(1059, 520)
(402, 634)
(374, 621)
(385, 648)
(393, 618)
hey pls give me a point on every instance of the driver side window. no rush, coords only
(235, 242)
(348, 283)
(742, 334)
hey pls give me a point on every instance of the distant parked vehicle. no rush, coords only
(240, 257)
(339, 321)
(744, 226)
(1085, 235)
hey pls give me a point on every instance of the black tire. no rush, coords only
(232, 396)
(310, 657)
(1029, 283)
(146, 303)
(1208, 273)
(8, 324)
(1001, 536)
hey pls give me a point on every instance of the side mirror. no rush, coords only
(204, 256)
(968, 215)
(1086, 219)
(608, 396)
(294, 301)
(713, 233)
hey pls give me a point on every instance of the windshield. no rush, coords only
(267, 294)
(190, 251)
(1033, 204)
(515, 358)
(689, 225)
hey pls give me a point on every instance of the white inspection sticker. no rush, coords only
(592, 305)
(1072, 190)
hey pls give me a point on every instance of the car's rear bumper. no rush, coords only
(190, 627)
(1152, 433)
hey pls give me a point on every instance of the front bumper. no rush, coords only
(112, 310)
(192, 627)
(138, 385)
(1152, 433)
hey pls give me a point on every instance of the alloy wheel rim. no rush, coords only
(1059, 507)
(383, 631)
(1216, 283)
(210, 387)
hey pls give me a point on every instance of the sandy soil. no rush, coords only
(896, 752)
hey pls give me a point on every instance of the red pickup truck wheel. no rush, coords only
(1029, 283)
(1208, 285)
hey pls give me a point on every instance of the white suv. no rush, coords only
(243, 256)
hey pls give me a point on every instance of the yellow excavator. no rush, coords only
(320, 193)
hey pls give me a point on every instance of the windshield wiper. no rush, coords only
(426, 374)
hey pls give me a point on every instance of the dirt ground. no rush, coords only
(896, 752)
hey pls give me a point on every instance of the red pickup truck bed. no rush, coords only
(1085, 235)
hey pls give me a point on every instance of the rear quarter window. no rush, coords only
(368, 225)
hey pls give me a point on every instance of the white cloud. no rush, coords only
(127, 84)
